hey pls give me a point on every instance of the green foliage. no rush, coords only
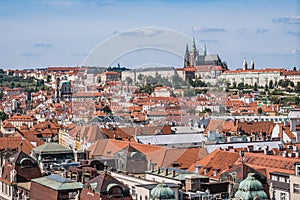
(234, 85)
(271, 85)
(3, 115)
(259, 111)
(128, 80)
(146, 89)
(255, 88)
(297, 87)
(241, 86)
(197, 83)
(48, 78)
(141, 77)
(27, 84)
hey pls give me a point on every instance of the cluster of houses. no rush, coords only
(97, 134)
(209, 158)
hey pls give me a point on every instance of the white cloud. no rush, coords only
(262, 30)
(296, 51)
(206, 29)
(287, 20)
(140, 33)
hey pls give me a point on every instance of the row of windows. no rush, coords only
(281, 179)
(296, 188)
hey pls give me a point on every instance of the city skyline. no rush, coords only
(62, 33)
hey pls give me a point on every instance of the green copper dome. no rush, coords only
(162, 191)
(251, 189)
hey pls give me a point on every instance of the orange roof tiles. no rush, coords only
(217, 160)
(253, 71)
(15, 142)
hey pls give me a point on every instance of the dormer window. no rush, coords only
(215, 172)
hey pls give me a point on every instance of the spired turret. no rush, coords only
(245, 65)
(252, 64)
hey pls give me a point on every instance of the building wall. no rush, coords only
(251, 77)
(6, 191)
(168, 73)
(130, 182)
(39, 192)
(294, 184)
(86, 194)
(160, 179)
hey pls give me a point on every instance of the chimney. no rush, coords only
(158, 171)
(75, 155)
(291, 155)
(173, 173)
(284, 154)
(166, 172)
(266, 149)
(197, 168)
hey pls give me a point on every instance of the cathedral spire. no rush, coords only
(205, 51)
(194, 49)
(187, 57)
(245, 65)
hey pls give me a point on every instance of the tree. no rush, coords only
(176, 81)
(151, 80)
(234, 85)
(241, 86)
(141, 77)
(12, 85)
(99, 79)
(255, 88)
(292, 84)
(259, 111)
(3, 115)
(295, 69)
(297, 87)
(48, 78)
(266, 87)
(128, 80)
(271, 86)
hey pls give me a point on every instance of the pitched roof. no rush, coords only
(19, 156)
(57, 182)
(8, 125)
(15, 142)
(51, 148)
(217, 160)
(101, 182)
(256, 127)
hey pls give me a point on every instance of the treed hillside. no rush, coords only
(30, 83)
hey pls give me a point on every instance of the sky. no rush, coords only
(41, 33)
